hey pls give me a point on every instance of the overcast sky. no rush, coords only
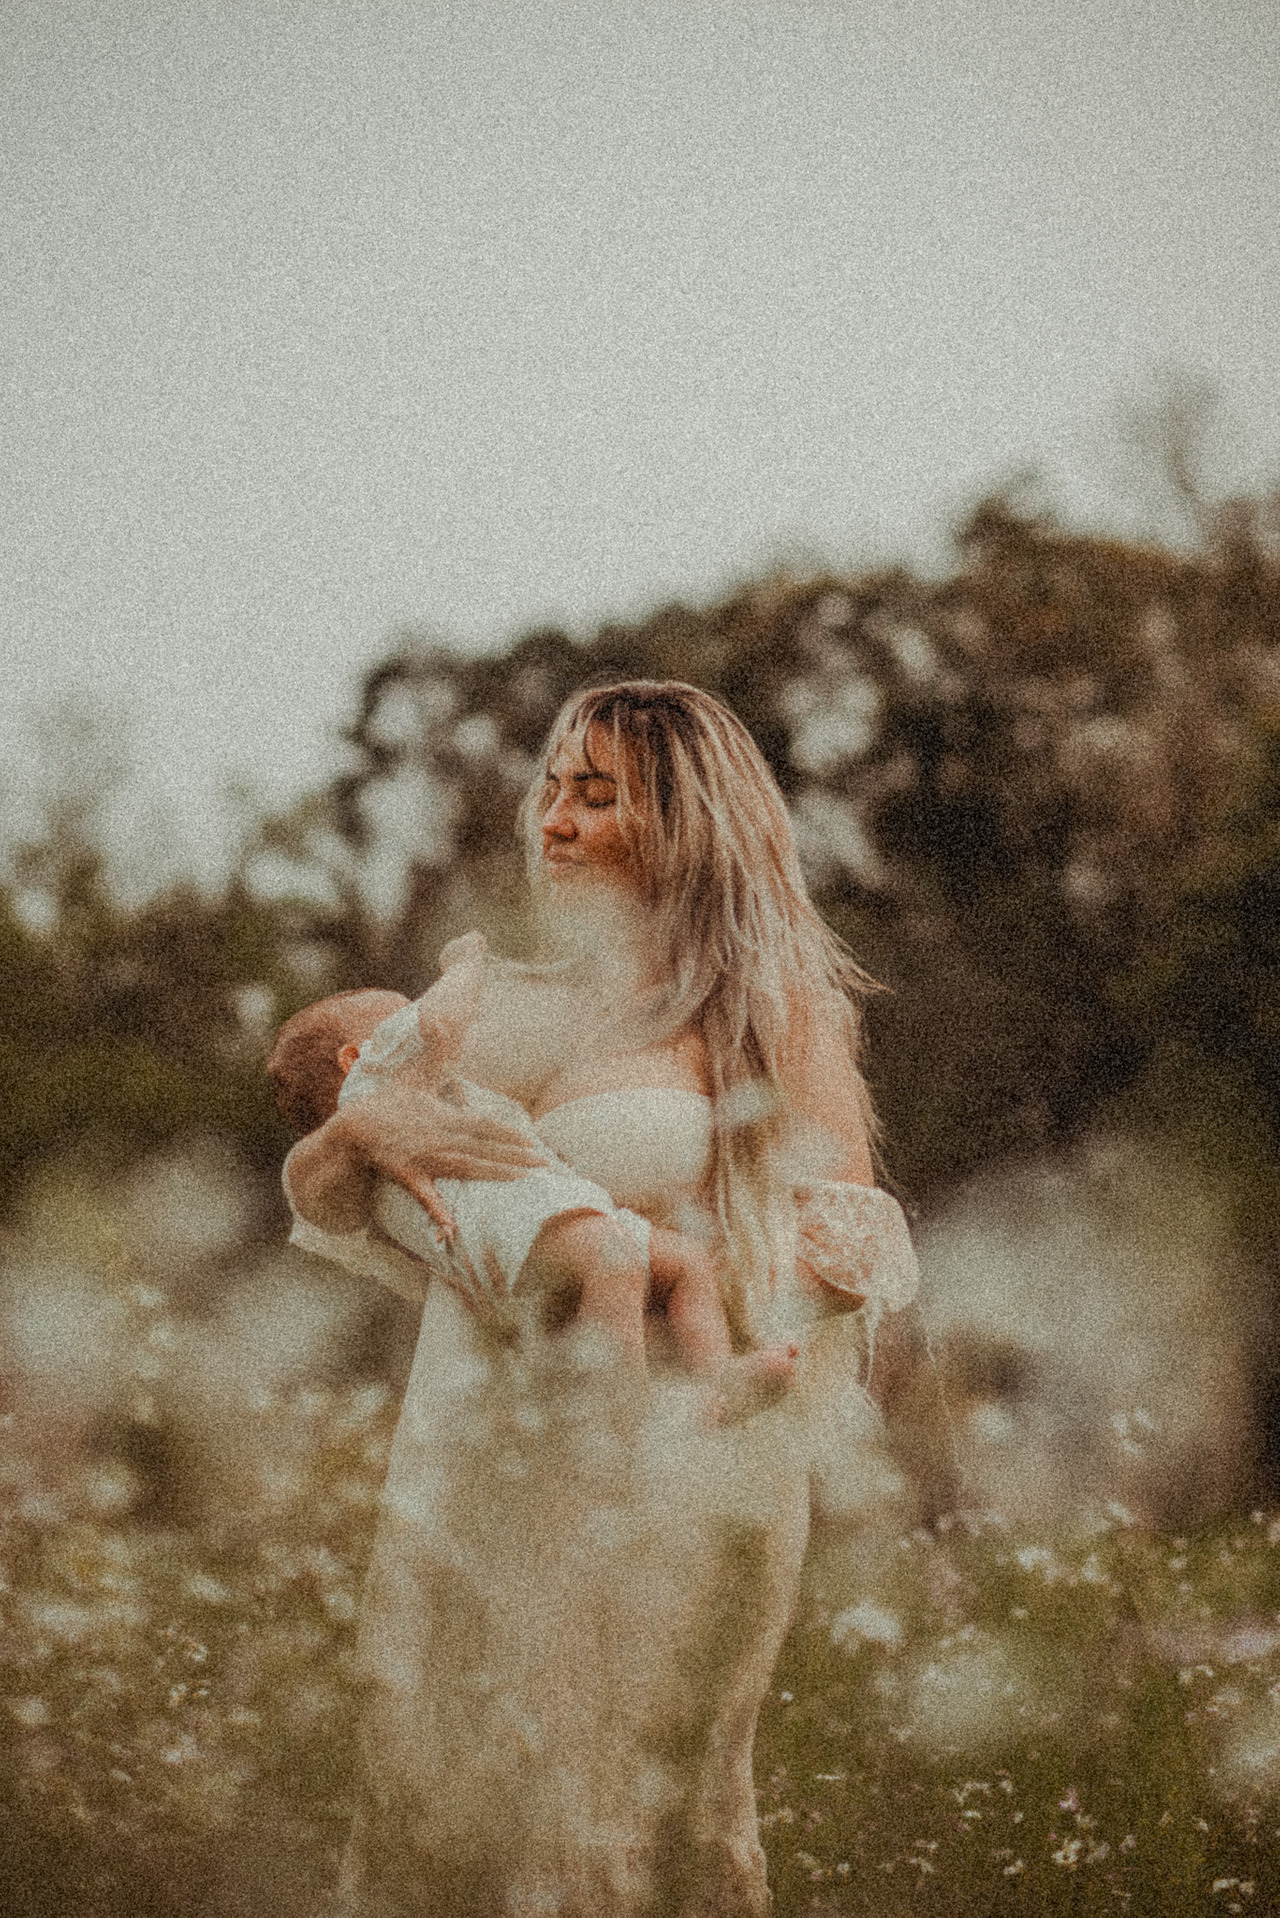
(326, 318)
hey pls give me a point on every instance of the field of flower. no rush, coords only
(972, 1720)
(1028, 1726)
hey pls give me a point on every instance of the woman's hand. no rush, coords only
(406, 1133)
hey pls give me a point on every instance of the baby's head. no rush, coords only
(315, 1050)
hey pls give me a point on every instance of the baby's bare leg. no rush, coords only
(683, 1271)
(586, 1256)
(695, 1312)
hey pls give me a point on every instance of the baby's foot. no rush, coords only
(754, 1381)
(445, 1013)
(469, 946)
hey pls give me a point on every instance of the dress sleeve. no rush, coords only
(854, 1238)
(367, 1252)
(391, 1044)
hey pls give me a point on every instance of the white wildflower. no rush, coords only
(60, 1619)
(30, 1712)
(866, 1623)
(967, 1697)
(206, 1590)
(1251, 1757)
(1037, 1558)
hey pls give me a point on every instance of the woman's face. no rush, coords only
(581, 837)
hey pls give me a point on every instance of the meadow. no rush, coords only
(973, 1717)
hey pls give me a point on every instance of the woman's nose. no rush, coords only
(557, 820)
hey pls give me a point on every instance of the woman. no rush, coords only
(577, 1596)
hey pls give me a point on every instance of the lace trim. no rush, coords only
(855, 1239)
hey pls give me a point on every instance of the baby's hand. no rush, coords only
(427, 1193)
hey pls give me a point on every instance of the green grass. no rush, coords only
(970, 1722)
(1091, 1726)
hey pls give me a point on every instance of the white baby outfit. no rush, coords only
(497, 1219)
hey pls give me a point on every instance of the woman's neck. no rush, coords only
(604, 941)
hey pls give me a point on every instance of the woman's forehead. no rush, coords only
(588, 749)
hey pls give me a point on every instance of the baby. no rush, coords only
(549, 1230)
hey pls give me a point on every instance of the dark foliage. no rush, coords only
(1038, 796)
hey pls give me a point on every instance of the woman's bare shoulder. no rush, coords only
(688, 1051)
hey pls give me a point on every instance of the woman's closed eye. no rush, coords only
(594, 792)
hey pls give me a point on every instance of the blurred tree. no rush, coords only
(1008, 784)
(1038, 795)
(124, 1027)
(1171, 432)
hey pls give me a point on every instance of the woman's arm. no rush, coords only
(827, 1104)
(402, 1132)
(854, 1247)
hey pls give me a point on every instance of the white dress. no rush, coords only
(577, 1596)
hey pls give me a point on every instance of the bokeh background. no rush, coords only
(376, 376)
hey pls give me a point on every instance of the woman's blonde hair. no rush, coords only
(744, 956)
